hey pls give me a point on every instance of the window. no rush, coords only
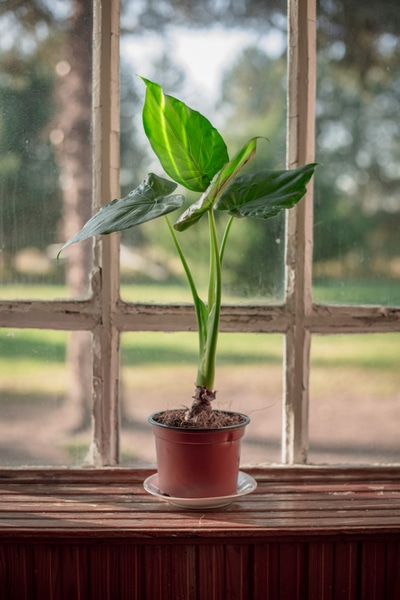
(321, 326)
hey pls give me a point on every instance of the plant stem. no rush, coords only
(206, 373)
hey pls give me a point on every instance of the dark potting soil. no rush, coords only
(213, 419)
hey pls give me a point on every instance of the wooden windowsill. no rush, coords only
(112, 504)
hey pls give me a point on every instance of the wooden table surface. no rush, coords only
(112, 503)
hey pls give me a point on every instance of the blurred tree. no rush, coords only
(356, 200)
(254, 100)
(72, 125)
(357, 140)
(359, 41)
(28, 173)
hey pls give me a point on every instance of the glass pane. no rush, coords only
(232, 68)
(44, 406)
(354, 407)
(158, 372)
(357, 206)
(45, 148)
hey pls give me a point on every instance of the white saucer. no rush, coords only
(246, 484)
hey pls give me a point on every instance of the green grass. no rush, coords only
(141, 293)
(181, 348)
(33, 368)
(34, 292)
(25, 350)
(30, 345)
(379, 293)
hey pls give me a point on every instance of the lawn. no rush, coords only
(378, 292)
(24, 353)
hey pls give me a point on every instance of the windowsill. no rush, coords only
(112, 504)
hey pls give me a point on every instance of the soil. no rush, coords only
(212, 419)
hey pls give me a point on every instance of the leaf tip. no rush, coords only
(61, 249)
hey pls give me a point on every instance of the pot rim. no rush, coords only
(246, 421)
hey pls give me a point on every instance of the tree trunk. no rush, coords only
(73, 151)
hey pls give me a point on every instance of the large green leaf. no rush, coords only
(264, 194)
(148, 201)
(188, 147)
(220, 182)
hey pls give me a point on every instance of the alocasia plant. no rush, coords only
(193, 153)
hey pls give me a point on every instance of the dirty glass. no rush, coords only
(357, 202)
(45, 147)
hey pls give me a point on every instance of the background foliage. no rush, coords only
(358, 102)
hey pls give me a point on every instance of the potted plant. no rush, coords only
(198, 447)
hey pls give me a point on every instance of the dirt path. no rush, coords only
(347, 426)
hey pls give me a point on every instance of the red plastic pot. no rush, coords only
(198, 463)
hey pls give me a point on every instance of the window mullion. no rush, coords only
(105, 280)
(300, 150)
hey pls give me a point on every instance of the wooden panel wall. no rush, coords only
(240, 570)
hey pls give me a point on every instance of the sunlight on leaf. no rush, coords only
(187, 145)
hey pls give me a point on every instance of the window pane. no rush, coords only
(45, 148)
(158, 372)
(355, 407)
(44, 408)
(232, 68)
(357, 207)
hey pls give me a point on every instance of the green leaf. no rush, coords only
(148, 201)
(188, 147)
(264, 194)
(220, 182)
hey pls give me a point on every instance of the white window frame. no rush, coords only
(107, 316)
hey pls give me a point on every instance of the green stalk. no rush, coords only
(207, 317)
(213, 262)
(206, 373)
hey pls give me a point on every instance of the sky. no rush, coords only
(204, 53)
